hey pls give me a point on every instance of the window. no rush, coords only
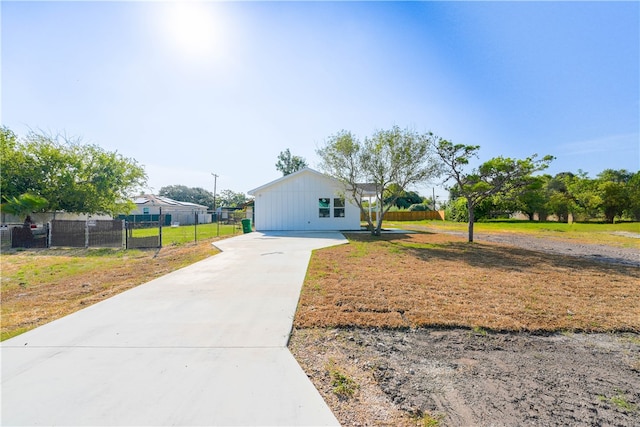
(145, 211)
(324, 208)
(338, 208)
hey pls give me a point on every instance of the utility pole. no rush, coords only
(215, 182)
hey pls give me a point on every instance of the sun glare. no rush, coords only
(194, 30)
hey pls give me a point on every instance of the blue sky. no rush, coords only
(224, 87)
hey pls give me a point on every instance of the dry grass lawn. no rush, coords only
(42, 285)
(426, 279)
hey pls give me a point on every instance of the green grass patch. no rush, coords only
(620, 401)
(358, 249)
(343, 385)
(189, 233)
(5, 335)
(428, 420)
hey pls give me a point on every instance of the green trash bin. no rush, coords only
(246, 225)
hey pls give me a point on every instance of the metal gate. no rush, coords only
(85, 234)
(26, 237)
(143, 242)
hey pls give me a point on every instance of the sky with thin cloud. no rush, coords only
(194, 88)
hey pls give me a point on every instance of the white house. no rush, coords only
(304, 200)
(183, 213)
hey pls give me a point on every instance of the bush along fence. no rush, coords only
(408, 216)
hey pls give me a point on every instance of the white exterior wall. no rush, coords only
(292, 204)
(184, 216)
(44, 217)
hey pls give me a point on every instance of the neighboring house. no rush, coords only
(304, 200)
(182, 213)
(44, 217)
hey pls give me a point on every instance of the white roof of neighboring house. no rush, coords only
(153, 200)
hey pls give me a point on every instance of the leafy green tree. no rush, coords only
(182, 193)
(621, 176)
(457, 209)
(23, 205)
(614, 199)
(404, 199)
(288, 164)
(530, 200)
(633, 210)
(232, 199)
(495, 176)
(560, 200)
(584, 193)
(70, 175)
(614, 192)
(390, 161)
(15, 168)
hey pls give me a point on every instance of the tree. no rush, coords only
(530, 199)
(560, 200)
(404, 199)
(633, 211)
(70, 175)
(585, 197)
(288, 164)
(495, 176)
(232, 199)
(14, 166)
(614, 192)
(182, 193)
(23, 205)
(457, 210)
(390, 161)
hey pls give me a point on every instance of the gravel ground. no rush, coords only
(604, 253)
(462, 377)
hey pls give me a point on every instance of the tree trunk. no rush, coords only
(471, 220)
(377, 231)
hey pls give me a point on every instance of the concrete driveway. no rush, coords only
(205, 345)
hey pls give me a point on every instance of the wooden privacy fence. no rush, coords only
(408, 216)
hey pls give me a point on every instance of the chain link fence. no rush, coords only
(117, 233)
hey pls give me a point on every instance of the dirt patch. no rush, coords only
(461, 377)
(436, 331)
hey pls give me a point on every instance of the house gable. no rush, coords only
(304, 200)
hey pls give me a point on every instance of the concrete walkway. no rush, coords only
(205, 345)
